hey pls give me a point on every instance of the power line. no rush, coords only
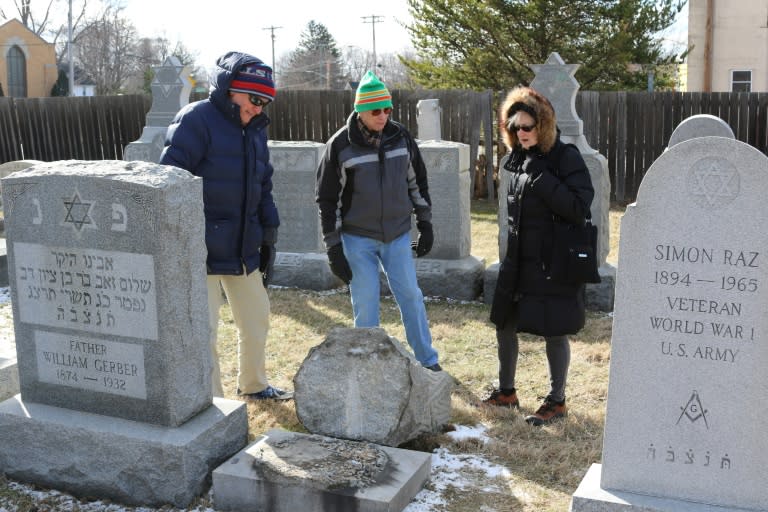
(373, 19)
(272, 29)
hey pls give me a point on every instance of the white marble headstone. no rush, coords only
(689, 348)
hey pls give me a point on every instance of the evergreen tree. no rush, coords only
(315, 63)
(61, 87)
(483, 44)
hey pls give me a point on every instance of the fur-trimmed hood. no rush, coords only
(539, 107)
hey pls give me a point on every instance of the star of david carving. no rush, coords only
(168, 76)
(716, 181)
(78, 213)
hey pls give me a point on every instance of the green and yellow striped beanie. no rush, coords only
(372, 94)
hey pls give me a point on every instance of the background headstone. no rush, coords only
(170, 92)
(107, 272)
(688, 350)
(428, 119)
(700, 125)
(361, 384)
(554, 79)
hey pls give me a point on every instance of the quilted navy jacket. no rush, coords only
(207, 139)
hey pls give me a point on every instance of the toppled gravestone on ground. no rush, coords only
(363, 385)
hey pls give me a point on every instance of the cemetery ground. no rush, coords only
(490, 459)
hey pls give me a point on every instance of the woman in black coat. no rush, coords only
(549, 183)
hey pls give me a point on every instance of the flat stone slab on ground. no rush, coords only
(290, 472)
(130, 462)
(590, 497)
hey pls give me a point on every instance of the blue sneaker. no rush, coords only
(269, 393)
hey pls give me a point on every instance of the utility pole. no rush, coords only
(71, 72)
(373, 19)
(272, 30)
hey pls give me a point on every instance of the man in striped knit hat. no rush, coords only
(371, 180)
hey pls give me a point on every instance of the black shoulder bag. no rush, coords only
(574, 252)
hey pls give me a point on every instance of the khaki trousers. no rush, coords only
(250, 309)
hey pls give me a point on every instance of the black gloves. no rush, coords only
(535, 166)
(426, 238)
(339, 264)
(267, 255)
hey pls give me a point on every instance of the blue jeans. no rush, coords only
(364, 255)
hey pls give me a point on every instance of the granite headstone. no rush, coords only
(107, 271)
(340, 390)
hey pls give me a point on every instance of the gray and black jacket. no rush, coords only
(369, 191)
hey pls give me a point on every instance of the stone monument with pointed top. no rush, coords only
(555, 80)
(170, 92)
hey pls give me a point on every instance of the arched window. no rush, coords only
(17, 73)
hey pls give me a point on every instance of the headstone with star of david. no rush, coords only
(107, 273)
(688, 348)
(170, 92)
(105, 259)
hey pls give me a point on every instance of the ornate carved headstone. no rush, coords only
(555, 80)
(688, 351)
(170, 92)
(107, 272)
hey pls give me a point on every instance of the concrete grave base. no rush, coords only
(460, 279)
(130, 462)
(308, 271)
(590, 497)
(289, 472)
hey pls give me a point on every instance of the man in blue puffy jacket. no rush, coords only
(223, 140)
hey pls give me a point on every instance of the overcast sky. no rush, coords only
(212, 29)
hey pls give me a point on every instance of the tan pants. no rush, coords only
(250, 310)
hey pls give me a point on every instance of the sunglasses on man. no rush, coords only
(377, 111)
(258, 101)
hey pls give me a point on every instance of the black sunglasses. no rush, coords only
(377, 111)
(526, 129)
(258, 100)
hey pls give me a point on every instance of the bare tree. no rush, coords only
(106, 49)
(47, 19)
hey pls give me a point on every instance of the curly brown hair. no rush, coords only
(537, 106)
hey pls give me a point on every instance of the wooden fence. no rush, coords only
(630, 129)
(81, 128)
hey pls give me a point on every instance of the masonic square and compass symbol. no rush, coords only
(78, 213)
(693, 410)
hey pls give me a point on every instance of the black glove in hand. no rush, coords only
(534, 167)
(426, 238)
(339, 264)
(267, 255)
